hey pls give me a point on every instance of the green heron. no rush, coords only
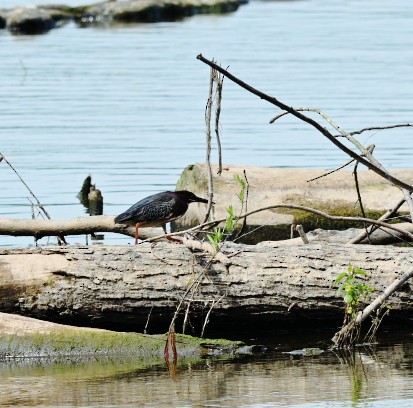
(158, 209)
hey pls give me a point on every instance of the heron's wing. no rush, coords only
(152, 208)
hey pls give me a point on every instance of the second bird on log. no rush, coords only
(158, 209)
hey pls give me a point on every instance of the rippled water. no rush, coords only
(369, 378)
(126, 103)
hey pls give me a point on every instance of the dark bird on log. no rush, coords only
(158, 209)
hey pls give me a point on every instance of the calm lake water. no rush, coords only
(378, 377)
(126, 105)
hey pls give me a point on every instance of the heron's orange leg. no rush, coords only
(137, 232)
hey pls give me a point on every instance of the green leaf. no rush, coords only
(340, 277)
(348, 298)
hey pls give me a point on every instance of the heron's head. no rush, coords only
(190, 197)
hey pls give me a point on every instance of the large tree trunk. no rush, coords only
(123, 287)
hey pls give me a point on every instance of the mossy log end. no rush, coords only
(26, 337)
(131, 287)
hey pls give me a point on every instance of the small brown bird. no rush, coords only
(158, 209)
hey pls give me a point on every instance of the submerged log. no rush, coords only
(26, 337)
(137, 286)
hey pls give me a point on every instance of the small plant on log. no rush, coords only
(354, 293)
(220, 234)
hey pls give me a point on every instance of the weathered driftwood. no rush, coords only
(335, 194)
(138, 285)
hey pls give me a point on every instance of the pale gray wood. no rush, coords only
(122, 285)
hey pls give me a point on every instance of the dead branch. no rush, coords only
(331, 171)
(365, 152)
(208, 113)
(219, 83)
(61, 238)
(310, 121)
(358, 132)
(372, 228)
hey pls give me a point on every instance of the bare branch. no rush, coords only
(310, 121)
(208, 113)
(219, 82)
(363, 213)
(60, 237)
(39, 204)
(383, 218)
(332, 171)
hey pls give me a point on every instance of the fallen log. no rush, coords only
(76, 226)
(140, 286)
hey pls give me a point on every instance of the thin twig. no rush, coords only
(219, 82)
(147, 320)
(332, 171)
(363, 213)
(208, 113)
(206, 321)
(39, 204)
(358, 132)
(244, 207)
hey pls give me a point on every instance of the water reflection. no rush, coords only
(368, 377)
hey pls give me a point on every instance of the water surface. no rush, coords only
(373, 377)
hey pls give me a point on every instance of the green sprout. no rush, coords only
(353, 291)
(219, 234)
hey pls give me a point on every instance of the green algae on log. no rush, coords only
(22, 337)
